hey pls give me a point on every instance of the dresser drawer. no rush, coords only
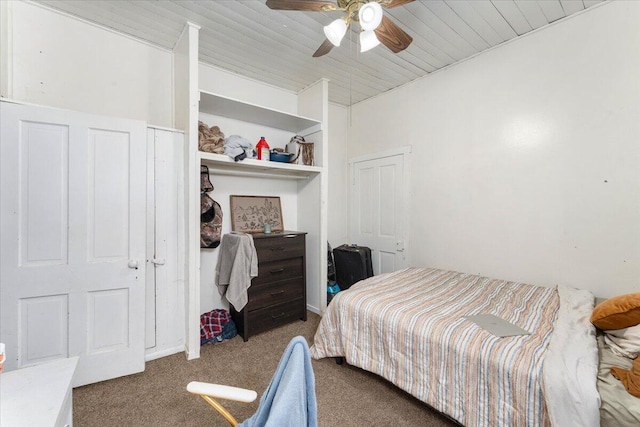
(275, 293)
(278, 270)
(279, 247)
(275, 315)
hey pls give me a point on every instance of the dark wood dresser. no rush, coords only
(279, 294)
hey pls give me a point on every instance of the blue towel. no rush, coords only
(290, 399)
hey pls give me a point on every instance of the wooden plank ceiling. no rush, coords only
(275, 47)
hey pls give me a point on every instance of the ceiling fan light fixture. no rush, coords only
(336, 31)
(368, 40)
(370, 16)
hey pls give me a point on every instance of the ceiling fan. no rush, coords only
(376, 28)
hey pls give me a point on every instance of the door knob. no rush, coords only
(133, 264)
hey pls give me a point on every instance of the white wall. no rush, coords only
(231, 85)
(525, 162)
(61, 61)
(338, 176)
(58, 60)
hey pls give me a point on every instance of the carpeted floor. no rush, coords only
(347, 396)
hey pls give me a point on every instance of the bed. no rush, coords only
(409, 327)
(618, 407)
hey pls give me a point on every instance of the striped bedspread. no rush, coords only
(408, 327)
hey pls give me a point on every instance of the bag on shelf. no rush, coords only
(302, 150)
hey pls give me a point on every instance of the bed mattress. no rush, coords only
(409, 327)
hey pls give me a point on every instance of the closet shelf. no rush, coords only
(252, 167)
(223, 106)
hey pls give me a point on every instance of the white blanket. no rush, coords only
(571, 363)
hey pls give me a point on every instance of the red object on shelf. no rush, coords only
(263, 149)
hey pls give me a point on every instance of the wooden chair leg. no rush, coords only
(221, 409)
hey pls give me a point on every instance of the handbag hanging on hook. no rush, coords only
(205, 182)
(210, 213)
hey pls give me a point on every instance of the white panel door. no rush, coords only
(377, 210)
(73, 231)
(165, 316)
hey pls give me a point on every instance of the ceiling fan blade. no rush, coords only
(392, 36)
(393, 3)
(310, 5)
(324, 48)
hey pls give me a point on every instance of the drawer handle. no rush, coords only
(281, 248)
(279, 270)
(275, 294)
(278, 316)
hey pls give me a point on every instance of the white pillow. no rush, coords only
(624, 342)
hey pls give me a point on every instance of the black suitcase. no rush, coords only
(331, 269)
(352, 264)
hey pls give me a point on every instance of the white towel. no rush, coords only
(237, 265)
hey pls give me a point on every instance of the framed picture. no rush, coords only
(249, 214)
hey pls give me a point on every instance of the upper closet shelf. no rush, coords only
(234, 109)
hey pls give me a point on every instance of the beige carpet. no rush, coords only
(347, 396)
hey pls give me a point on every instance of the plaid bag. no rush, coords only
(216, 326)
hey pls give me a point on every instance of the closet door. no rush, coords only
(165, 314)
(378, 219)
(73, 240)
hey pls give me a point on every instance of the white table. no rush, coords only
(38, 395)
